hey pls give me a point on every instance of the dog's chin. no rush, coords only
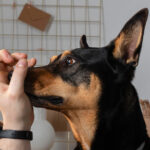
(45, 101)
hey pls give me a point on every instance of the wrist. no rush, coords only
(19, 126)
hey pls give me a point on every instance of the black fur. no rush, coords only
(120, 122)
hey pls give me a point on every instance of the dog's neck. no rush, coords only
(121, 122)
(83, 124)
(92, 134)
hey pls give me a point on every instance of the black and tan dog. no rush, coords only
(92, 88)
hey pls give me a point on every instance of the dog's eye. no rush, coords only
(70, 61)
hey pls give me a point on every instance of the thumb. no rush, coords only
(17, 81)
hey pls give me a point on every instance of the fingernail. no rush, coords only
(22, 63)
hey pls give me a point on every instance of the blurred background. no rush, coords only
(100, 20)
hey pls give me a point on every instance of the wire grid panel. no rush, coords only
(70, 20)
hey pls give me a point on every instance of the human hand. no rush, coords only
(145, 106)
(15, 106)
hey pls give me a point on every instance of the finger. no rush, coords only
(6, 57)
(31, 62)
(7, 61)
(16, 85)
(18, 56)
(4, 70)
(4, 54)
(3, 77)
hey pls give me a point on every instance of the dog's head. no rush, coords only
(76, 79)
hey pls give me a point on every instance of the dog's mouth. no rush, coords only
(44, 101)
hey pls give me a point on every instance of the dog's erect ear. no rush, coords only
(128, 44)
(83, 42)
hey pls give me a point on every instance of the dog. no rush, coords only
(92, 87)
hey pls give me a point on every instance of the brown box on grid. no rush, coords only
(34, 17)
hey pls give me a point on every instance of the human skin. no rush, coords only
(15, 107)
(145, 105)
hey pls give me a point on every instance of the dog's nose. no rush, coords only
(10, 75)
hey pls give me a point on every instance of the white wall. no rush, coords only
(116, 13)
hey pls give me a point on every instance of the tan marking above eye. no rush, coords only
(67, 52)
(53, 58)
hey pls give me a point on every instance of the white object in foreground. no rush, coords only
(43, 132)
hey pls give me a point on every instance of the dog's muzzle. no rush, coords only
(41, 101)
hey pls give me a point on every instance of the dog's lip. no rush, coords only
(55, 100)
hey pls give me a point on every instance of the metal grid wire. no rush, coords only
(70, 20)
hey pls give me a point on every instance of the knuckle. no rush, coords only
(19, 55)
(24, 55)
(4, 54)
(3, 51)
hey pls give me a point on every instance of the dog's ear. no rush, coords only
(128, 43)
(83, 42)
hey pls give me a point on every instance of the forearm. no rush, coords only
(13, 144)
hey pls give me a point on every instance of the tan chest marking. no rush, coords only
(83, 124)
(82, 114)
